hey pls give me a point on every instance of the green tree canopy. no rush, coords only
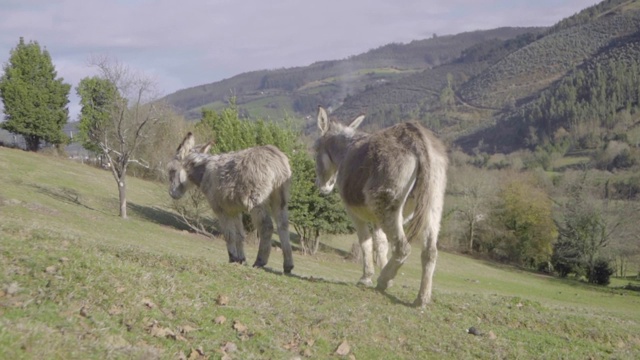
(97, 97)
(312, 213)
(35, 101)
(525, 213)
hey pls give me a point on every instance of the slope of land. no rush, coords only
(78, 282)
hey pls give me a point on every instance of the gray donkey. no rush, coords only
(386, 178)
(254, 180)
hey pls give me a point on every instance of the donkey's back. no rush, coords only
(241, 180)
(384, 169)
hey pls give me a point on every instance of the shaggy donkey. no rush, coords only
(254, 180)
(386, 178)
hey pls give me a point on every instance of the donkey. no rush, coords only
(385, 179)
(254, 180)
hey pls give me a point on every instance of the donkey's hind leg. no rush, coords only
(262, 221)
(430, 250)
(392, 226)
(429, 256)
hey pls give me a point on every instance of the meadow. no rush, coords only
(78, 282)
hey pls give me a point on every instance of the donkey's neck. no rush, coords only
(196, 165)
(342, 143)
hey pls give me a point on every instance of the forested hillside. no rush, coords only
(298, 91)
(591, 101)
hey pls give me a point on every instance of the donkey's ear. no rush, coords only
(323, 120)
(185, 146)
(356, 122)
(205, 149)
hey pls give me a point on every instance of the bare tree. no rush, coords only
(475, 190)
(119, 111)
(592, 227)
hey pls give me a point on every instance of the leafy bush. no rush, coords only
(524, 213)
(628, 189)
(601, 272)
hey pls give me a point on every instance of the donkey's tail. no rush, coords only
(431, 181)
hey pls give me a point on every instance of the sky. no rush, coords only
(185, 43)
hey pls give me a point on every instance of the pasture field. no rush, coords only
(78, 282)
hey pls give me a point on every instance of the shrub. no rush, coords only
(601, 272)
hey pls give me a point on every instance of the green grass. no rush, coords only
(569, 161)
(260, 109)
(78, 282)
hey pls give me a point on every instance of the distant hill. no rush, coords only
(298, 91)
(494, 90)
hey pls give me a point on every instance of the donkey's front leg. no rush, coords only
(264, 228)
(380, 247)
(233, 232)
(366, 244)
(282, 221)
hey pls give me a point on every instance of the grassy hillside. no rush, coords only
(77, 282)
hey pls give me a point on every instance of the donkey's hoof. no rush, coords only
(287, 269)
(420, 303)
(259, 264)
(235, 259)
(382, 285)
(365, 282)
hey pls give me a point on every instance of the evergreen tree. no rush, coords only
(97, 97)
(310, 212)
(35, 101)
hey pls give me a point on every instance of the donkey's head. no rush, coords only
(330, 148)
(179, 167)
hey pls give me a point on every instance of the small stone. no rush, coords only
(473, 331)
(222, 300)
(343, 349)
(12, 289)
(229, 347)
